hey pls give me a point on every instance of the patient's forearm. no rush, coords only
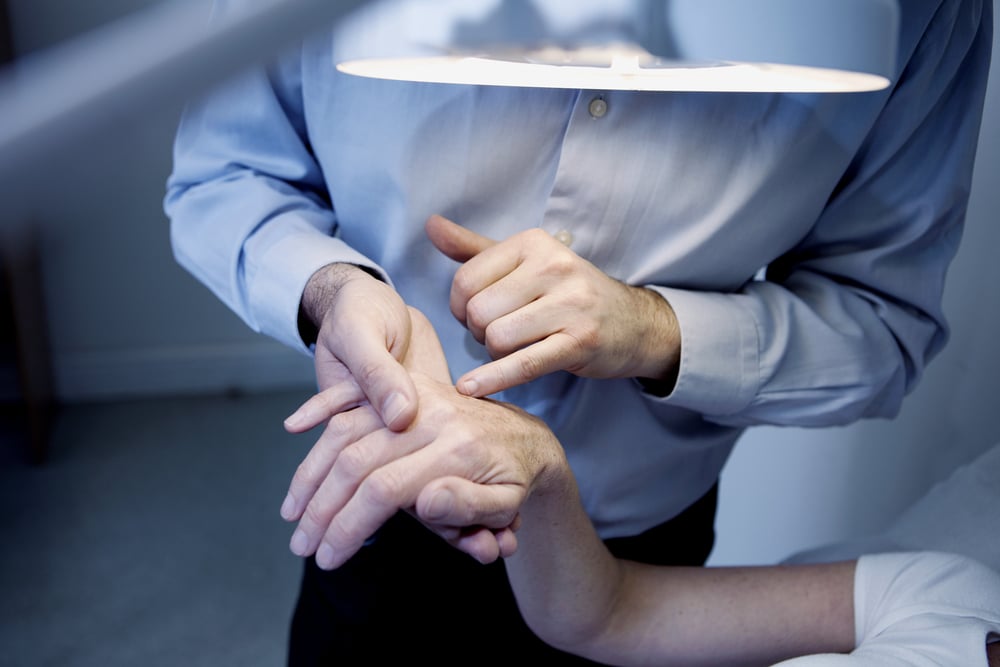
(576, 596)
(565, 581)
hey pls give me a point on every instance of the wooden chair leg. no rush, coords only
(21, 264)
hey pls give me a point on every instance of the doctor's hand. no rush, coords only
(364, 333)
(365, 326)
(538, 307)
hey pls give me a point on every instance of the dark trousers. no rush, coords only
(411, 594)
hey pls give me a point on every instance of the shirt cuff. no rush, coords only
(276, 280)
(720, 352)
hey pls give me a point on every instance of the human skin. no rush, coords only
(363, 333)
(468, 462)
(536, 305)
(351, 481)
(577, 597)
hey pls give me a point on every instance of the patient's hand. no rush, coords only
(496, 446)
(360, 473)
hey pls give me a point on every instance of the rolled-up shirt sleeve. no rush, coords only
(921, 608)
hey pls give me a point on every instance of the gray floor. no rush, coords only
(151, 537)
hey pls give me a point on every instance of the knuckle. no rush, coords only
(338, 535)
(467, 515)
(470, 450)
(336, 427)
(322, 402)
(475, 314)
(354, 462)
(382, 489)
(499, 340)
(434, 411)
(535, 235)
(448, 412)
(586, 339)
(528, 367)
(462, 284)
(467, 445)
(560, 264)
(314, 516)
(485, 552)
(582, 297)
(307, 472)
(368, 372)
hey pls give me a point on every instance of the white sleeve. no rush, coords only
(919, 610)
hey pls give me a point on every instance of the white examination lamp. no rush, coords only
(667, 45)
(50, 102)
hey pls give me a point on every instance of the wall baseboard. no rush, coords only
(116, 374)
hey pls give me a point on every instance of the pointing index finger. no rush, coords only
(546, 356)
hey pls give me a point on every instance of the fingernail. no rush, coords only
(393, 407)
(299, 543)
(469, 387)
(294, 419)
(440, 505)
(324, 556)
(288, 508)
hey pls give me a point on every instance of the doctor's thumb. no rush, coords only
(455, 241)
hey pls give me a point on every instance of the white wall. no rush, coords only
(788, 489)
(126, 321)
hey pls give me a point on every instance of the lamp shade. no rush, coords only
(667, 45)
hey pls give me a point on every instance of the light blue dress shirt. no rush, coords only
(853, 203)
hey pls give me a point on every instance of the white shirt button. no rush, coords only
(598, 107)
(564, 236)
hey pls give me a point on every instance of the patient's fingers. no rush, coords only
(483, 544)
(455, 501)
(342, 430)
(477, 519)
